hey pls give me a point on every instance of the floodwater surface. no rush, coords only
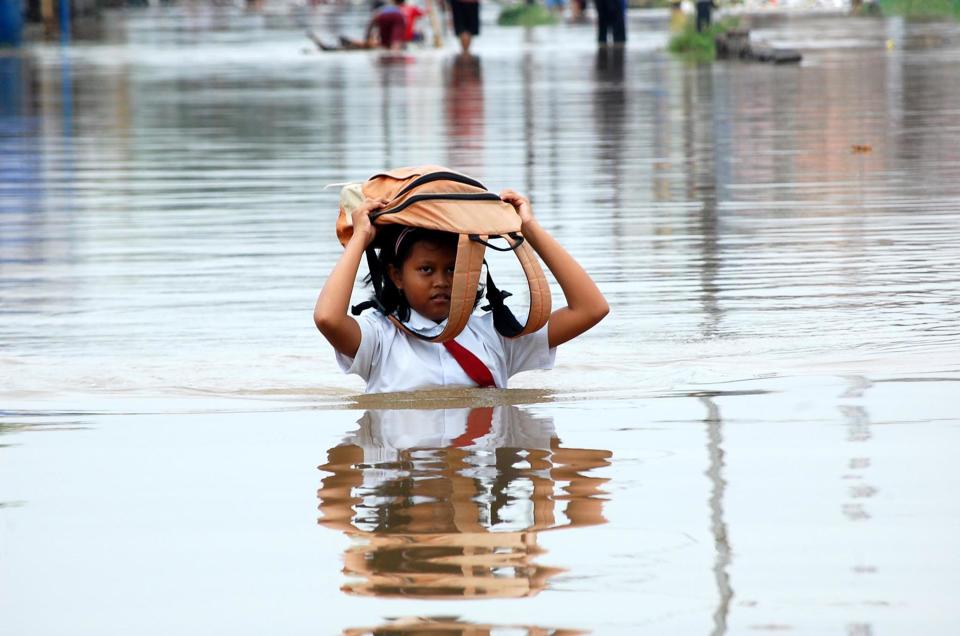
(758, 438)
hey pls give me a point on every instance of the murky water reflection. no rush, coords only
(449, 503)
(765, 421)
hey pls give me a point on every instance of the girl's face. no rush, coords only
(426, 278)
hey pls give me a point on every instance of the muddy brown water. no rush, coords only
(759, 437)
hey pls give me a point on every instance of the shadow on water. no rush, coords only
(718, 524)
(701, 145)
(464, 110)
(860, 491)
(21, 166)
(859, 433)
(609, 102)
(700, 131)
(450, 503)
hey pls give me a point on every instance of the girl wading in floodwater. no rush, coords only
(390, 348)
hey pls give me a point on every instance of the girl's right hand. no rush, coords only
(363, 228)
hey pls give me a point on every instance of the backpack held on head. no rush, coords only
(435, 198)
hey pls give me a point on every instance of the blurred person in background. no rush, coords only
(704, 9)
(466, 21)
(611, 18)
(411, 13)
(387, 30)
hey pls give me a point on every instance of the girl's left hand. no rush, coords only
(520, 203)
(362, 226)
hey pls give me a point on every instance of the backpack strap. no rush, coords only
(540, 300)
(504, 321)
(463, 294)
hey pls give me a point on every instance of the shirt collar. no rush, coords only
(423, 325)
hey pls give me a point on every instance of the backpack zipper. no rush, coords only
(439, 176)
(454, 196)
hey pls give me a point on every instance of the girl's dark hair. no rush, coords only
(391, 299)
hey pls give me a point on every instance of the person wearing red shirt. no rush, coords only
(386, 29)
(411, 13)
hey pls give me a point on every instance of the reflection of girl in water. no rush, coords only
(449, 502)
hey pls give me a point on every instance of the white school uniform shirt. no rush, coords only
(389, 359)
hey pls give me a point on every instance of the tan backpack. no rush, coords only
(435, 198)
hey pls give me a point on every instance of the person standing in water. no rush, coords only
(612, 20)
(466, 21)
(420, 265)
(411, 13)
(704, 8)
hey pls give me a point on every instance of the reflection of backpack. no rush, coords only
(435, 198)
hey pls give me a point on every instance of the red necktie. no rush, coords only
(473, 365)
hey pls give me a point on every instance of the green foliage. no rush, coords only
(525, 15)
(921, 8)
(696, 46)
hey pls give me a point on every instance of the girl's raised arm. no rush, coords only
(586, 306)
(330, 312)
